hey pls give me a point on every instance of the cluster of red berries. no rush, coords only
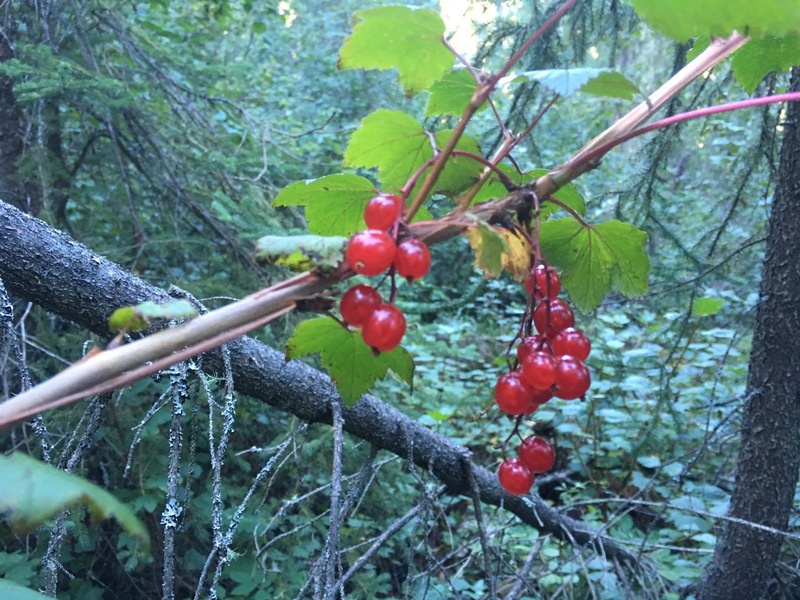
(549, 363)
(374, 251)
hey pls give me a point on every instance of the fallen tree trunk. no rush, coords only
(54, 271)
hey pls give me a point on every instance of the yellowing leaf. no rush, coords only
(489, 247)
(517, 260)
(401, 37)
(348, 360)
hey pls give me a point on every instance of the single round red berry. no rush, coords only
(537, 454)
(358, 304)
(383, 211)
(573, 342)
(572, 378)
(538, 370)
(412, 259)
(543, 283)
(555, 313)
(530, 344)
(370, 252)
(384, 328)
(538, 397)
(512, 396)
(515, 477)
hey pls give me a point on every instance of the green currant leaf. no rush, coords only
(451, 94)
(395, 144)
(756, 59)
(301, 252)
(334, 204)
(565, 82)
(401, 37)
(611, 84)
(136, 318)
(568, 194)
(348, 360)
(596, 259)
(40, 492)
(705, 307)
(684, 19)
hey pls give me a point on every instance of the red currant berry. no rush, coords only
(573, 342)
(555, 313)
(539, 370)
(537, 454)
(385, 328)
(539, 397)
(515, 477)
(572, 378)
(412, 259)
(370, 252)
(511, 395)
(543, 283)
(358, 304)
(531, 344)
(383, 211)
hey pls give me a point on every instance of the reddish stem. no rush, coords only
(699, 113)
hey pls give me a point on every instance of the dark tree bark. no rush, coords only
(13, 126)
(63, 276)
(769, 457)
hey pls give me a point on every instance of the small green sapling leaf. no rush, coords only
(401, 37)
(348, 360)
(705, 307)
(40, 492)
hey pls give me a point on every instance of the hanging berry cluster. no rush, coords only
(548, 364)
(374, 251)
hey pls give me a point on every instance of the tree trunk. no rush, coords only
(767, 469)
(65, 277)
(13, 125)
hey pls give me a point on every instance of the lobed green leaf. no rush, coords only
(596, 259)
(395, 144)
(348, 360)
(756, 59)
(334, 204)
(401, 37)
(451, 94)
(684, 19)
